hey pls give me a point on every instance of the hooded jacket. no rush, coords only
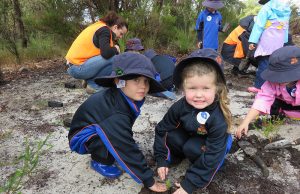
(273, 16)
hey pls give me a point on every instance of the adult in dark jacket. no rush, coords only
(94, 48)
(197, 126)
(102, 125)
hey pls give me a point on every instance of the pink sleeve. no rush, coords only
(297, 98)
(265, 98)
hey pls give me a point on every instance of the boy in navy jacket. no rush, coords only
(102, 125)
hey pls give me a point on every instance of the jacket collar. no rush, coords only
(135, 106)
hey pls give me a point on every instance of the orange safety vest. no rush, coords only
(83, 47)
(233, 39)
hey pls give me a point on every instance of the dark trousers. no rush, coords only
(263, 63)
(182, 145)
(98, 151)
(279, 105)
(227, 53)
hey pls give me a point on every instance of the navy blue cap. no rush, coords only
(284, 65)
(130, 64)
(206, 54)
(134, 44)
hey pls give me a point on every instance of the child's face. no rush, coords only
(210, 9)
(200, 91)
(136, 89)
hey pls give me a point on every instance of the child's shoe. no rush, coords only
(108, 171)
(84, 83)
(90, 90)
(253, 89)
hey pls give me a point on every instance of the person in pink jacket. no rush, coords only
(280, 94)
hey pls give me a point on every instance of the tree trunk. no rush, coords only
(159, 4)
(90, 6)
(20, 23)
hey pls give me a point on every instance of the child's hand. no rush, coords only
(118, 48)
(162, 172)
(251, 47)
(243, 128)
(158, 187)
(180, 190)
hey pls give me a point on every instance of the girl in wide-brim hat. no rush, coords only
(280, 94)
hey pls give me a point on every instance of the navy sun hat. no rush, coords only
(284, 65)
(134, 44)
(129, 64)
(206, 54)
(215, 4)
(150, 53)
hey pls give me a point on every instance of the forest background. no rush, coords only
(37, 30)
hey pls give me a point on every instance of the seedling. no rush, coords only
(168, 184)
(28, 161)
(269, 126)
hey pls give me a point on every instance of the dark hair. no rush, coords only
(112, 18)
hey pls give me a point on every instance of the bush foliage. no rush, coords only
(49, 27)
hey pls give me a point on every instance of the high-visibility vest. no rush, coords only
(83, 47)
(233, 39)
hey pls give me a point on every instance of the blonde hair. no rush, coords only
(200, 68)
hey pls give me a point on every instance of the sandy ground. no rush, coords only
(24, 113)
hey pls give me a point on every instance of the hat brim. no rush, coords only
(139, 48)
(212, 4)
(165, 94)
(281, 77)
(177, 80)
(150, 53)
(108, 81)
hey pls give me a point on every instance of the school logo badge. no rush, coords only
(119, 71)
(202, 130)
(202, 118)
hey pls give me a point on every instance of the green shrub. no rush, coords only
(184, 42)
(43, 47)
(28, 161)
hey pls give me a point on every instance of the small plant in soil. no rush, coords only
(28, 161)
(269, 125)
(168, 184)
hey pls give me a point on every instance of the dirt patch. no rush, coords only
(24, 113)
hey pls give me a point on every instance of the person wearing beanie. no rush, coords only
(208, 24)
(280, 94)
(102, 125)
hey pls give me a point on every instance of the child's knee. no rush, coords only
(192, 150)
